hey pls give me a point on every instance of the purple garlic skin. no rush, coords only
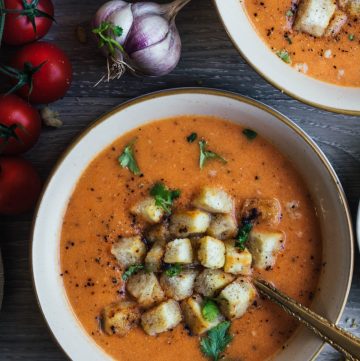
(150, 38)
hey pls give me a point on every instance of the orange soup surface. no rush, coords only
(330, 59)
(98, 214)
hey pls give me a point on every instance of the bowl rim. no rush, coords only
(273, 82)
(212, 92)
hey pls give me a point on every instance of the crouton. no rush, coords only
(185, 223)
(237, 262)
(336, 24)
(154, 256)
(235, 298)
(158, 232)
(178, 287)
(145, 288)
(179, 251)
(266, 211)
(313, 16)
(148, 210)
(222, 226)
(193, 317)
(211, 252)
(120, 317)
(210, 281)
(214, 200)
(264, 247)
(129, 251)
(353, 7)
(161, 318)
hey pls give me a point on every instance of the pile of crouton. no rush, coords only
(325, 17)
(202, 240)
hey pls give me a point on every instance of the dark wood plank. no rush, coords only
(208, 60)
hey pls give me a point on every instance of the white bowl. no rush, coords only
(287, 79)
(307, 157)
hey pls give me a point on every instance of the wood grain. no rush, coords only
(208, 60)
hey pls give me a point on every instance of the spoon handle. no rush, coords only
(344, 342)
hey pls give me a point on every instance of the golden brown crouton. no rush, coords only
(129, 251)
(266, 211)
(214, 200)
(236, 261)
(120, 317)
(161, 318)
(313, 16)
(236, 298)
(210, 281)
(194, 319)
(145, 288)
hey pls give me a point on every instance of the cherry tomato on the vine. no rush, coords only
(27, 21)
(41, 72)
(20, 125)
(20, 185)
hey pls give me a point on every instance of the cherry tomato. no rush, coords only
(22, 28)
(20, 125)
(20, 185)
(53, 76)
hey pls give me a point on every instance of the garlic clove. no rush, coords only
(146, 31)
(146, 8)
(160, 58)
(106, 10)
(123, 18)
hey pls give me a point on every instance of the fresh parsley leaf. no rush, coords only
(243, 236)
(106, 33)
(351, 37)
(214, 344)
(209, 310)
(284, 56)
(289, 13)
(173, 270)
(191, 138)
(127, 159)
(164, 197)
(206, 154)
(131, 270)
(250, 134)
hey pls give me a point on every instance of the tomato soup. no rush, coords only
(98, 214)
(330, 59)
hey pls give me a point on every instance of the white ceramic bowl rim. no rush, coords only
(37, 264)
(284, 77)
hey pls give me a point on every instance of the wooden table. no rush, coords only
(209, 60)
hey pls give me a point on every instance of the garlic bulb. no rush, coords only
(139, 36)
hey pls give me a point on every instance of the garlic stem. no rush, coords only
(175, 7)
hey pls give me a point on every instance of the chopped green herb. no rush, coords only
(289, 13)
(209, 310)
(243, 236)
(206, 154)
(284, 56)
(127, 159)
(106, 33)
(351, 37)
(250, 134)
(173, 270)
(214, 344)
(132, 270)
(164, 197)
(191, 138)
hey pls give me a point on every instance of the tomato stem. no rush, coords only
(23, 77)
(30, 10)
(8, 132)
(2, 20)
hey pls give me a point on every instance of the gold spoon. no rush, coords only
(344, 342)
